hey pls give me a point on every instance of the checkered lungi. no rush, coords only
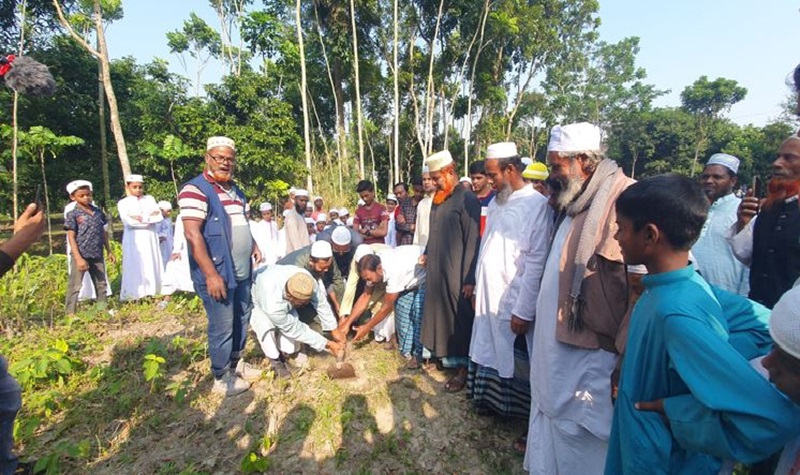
(408, 321)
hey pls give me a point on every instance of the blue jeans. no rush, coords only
(227, 325)
(10, 402)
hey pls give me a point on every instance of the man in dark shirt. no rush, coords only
(406, 219)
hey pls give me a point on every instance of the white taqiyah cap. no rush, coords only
(318, 198)
(321, 250)
(220, 141)
(309, 221)
(438, 160)
(501, 150)
(301, 192)
(580, 137)
(310, 206)
(728, 161)
(165, 205)
(321, 218)
(465, 179)
(784, 324)
(343, 211)
(333, 210)
(265, 207)
(341, 236)
(425, 169)
(286, 213)
(292, 190)
(391, 197)
(526, 161)
(74, 185)
(361, 251)
(134, 179)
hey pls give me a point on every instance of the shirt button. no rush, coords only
(778, 228)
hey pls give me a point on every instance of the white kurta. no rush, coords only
(391, 234)
(510, 265)
(571, 409)
(177, 275)
(265, 234)
(87, 287)
(423, 224)
(164, 230)
(142, 269)
(713, 255)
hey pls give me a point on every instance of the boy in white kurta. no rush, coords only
(142, 268)
(164, 231)
(265, 234)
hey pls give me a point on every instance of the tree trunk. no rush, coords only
(359, 120)
(304, 96)
(46, 202)
(430, 93)
(14, 123)
(396, 144)
(468, 118)
(101, 114)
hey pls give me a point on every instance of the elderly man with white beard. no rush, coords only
(510, 264)
(582, 302)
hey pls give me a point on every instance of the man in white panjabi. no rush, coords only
(294, 224)
(510, 264)
(423, 224)
(580, 311)
(87, 287)
(164, 230)
(265, 233)
(142, 268)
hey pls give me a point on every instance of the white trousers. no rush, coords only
(562, 447)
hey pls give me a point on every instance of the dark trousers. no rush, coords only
(97, 271)
(227, 325)
(10, 402)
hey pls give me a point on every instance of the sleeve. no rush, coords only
(731, 411)
(748, 324)
(125, 215)
(153, 212)
(286, 321)
(742, 243)
(349, 297)
(70, 223)
(470, 227)
(193, 203)
(180, 240)
(324, 312)
(534, 255)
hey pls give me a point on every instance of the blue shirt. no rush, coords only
(89, 230)
(716, 403)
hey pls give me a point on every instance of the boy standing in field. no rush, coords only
(85, 225)
(686, 398)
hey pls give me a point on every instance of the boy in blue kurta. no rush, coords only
(686, 397)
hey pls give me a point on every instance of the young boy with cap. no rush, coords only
(85, 225)
(687, 397)
(142, 269)
(164, 230)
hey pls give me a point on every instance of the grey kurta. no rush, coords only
(452, 253)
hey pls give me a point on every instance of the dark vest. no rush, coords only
(776, 253)
(217, 235)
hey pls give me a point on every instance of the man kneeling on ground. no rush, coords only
(278, 291)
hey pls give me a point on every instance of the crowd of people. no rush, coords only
(638, 327)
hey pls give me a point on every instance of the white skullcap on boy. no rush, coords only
(134, 179)
(321, 218)
(164, 205)
(265, 207)
(784, 323)
(74, 185)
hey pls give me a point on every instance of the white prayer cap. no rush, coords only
(265, 207)
(321, 250)
(310, 221)
(438, 160)
(784, 324)
(333, 210)
(361, 251)
(391, 197)
(134, 179)
(728, 161)
(501, 150)
(286, 213)
(214, 142)
(526, 161)
(300, 192)
(465, 179)
(310, 206)
(74, 185)
(318, 198)
(343, 212)
(425, 169)
(292, 190)
(579, 137)
(341, 236)
(350, 222)
(361, 202)
(321, 218)
(165, 205)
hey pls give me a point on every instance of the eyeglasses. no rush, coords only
(220, 159)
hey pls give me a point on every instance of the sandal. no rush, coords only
(520, 445)
(412, 364)
(457, 382)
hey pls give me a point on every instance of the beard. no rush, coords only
(779, 189)
(441, 195)
(504, 194)
(299, 208)
(570, 189)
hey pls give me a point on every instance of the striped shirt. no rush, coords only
(194, 204)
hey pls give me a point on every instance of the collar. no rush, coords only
(655, 280)
(724, 199)
(214, 182)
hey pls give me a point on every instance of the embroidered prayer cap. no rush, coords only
(300, 286)
(526, 161)
(321, 250)
(784, 323)
(465, 179)
(300, 193)
(220, 141)
(265, 207)
(321, 218)
(391, 197)
(361, 251)
(310, 221)
(341, 236)
(165, 205)
(134, 179)
(579, 137)
(438, 160)
(74, 185)
(536, 171)
(728, 161)
(501, 150)
(343, 212)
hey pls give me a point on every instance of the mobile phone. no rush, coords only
(38, 198)
(757, 191)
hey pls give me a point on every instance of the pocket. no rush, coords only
(213, 226)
